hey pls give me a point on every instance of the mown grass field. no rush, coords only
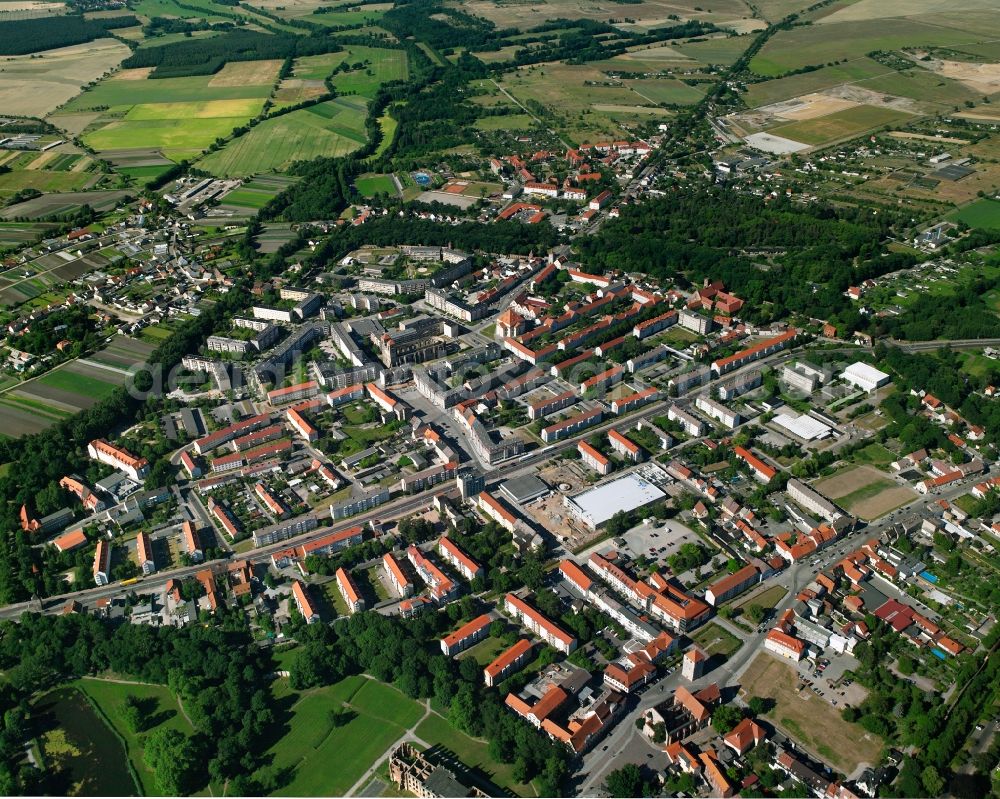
(370, 185)
(333, 128)
(671, 92)
(327, 760)
(164, 712)
(771, 91)
(839, 125)
(377, 66)
(439, 732)
(821, 44)
(983, 214)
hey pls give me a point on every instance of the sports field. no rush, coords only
(808, 718)
(982, 214)
(326, 759)
(162, 711)
(369, 185)
(865, 491)
(839, 125)
(333, 128)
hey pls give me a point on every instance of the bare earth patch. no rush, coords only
(246, 73)
(808, 718)
(983, 78)
(136, 73)
(865, 492)
(808, 106)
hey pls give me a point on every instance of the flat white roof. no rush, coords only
(626, 493)
(865, 373)
(805, 427)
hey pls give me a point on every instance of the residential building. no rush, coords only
(626, 448)
(692, 426)
(732, 585)
(349, 590)
(102, 562)
(718, 411)
(761, 350)
(812, 501)
(304, 604)
(460, 561)
(394, 572)
(135, 468)
(508, 662)
(544, 628)
(467, 635)
(593, 458)
(144, 553)
(784, 645)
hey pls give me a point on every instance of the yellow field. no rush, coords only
(202, 109)
(35, 85)
(137, 73)
(247, 73)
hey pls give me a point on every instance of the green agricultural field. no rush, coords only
(772, 91)
(716, 51)
(121, 94)
(379, 66)
(370, 185)
(359, 16)
(43, 180)
(505, 122)
(317, 67)
(839, 125)
(176, 138)
(77, 383)
(164, 712)
(328, 760)
(332, 128)
(669, 92)
(982, 214)
(143, 173)
(824, 43)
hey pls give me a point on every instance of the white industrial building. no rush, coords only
(864, 376)
(595, 506)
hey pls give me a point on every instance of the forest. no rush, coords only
(219, 674)
(23, 36)
(780, 257)
(207, 56)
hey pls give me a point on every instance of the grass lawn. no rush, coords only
(485, 651)
(966, 502)
(766, 599)
(164, 712)
(716, 641)
(810, 719)
(439, 732)
(328, 760)
(874, 454)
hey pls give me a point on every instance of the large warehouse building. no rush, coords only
(627, 493)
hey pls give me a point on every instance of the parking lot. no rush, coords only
(824, 677)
